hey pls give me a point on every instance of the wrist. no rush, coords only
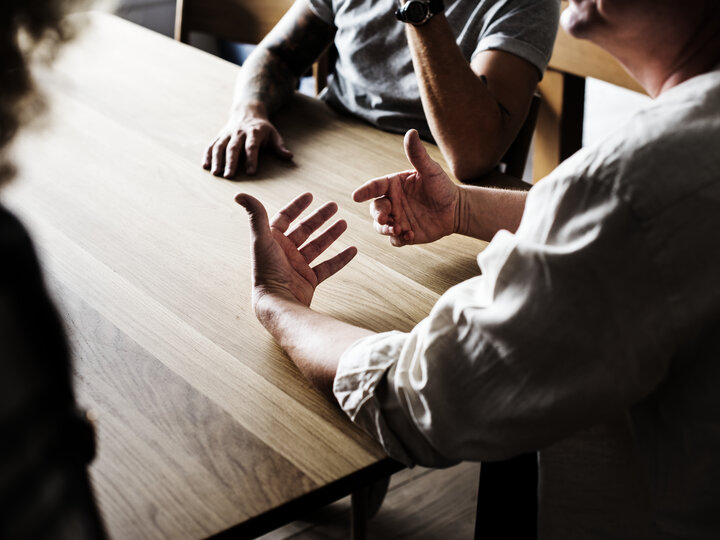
(250, 110)
(462, 211)
(268, 304)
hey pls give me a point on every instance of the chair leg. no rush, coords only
(507, 499)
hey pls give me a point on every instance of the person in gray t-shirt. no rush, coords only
(464, 78)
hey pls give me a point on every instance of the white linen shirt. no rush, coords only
(605, 300)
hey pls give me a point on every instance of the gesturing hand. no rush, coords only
(281, 261)
(244, 134)
(412, 207)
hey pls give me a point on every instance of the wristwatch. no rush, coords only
(419, 12)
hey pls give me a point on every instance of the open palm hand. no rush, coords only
(281, 259)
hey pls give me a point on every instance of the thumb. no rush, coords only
(259, 222)
(416, 153)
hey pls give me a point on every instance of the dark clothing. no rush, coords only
(46, 443)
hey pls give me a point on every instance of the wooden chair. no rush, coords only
(516, 156)
(242, 21)
(559, 128)
(245, 21)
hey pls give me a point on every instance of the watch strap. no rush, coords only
(434, 7)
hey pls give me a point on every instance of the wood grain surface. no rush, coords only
(203, 422)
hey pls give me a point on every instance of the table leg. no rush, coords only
(507, 499)
(358, 516)
(366, 502)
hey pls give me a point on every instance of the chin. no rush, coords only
(579, 18)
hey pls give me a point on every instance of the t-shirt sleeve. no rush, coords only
(323, 9)
(558, 333)
(525, 28)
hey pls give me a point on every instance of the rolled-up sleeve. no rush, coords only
(323, 9)
(564, 327)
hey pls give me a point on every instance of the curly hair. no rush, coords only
(27, 27)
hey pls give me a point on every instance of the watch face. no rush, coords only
(416, 11)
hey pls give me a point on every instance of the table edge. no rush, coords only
(323, 495)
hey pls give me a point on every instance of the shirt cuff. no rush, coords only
(362, 367)
(323, 9)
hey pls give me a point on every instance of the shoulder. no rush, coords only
(15, 244)
(24, 302)
(525, 28)
(537, 13)
(19, 268)
(665, 153)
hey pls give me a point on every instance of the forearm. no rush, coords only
(264, 84)
(465, 119)
(314, 341)
(270, 75)
(483, 211)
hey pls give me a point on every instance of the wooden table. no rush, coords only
(204, 425)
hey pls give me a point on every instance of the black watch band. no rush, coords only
(419, 12)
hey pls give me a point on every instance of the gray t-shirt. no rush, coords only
(373, 75)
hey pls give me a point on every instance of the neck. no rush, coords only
(661, 65)
(700, 55)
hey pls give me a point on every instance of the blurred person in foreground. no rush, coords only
(47, 441)
(596, 316)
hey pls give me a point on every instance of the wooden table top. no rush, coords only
(204, 425)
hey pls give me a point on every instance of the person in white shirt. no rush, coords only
(597, 303)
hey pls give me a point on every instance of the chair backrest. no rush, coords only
(244, 21)
(516, 156)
